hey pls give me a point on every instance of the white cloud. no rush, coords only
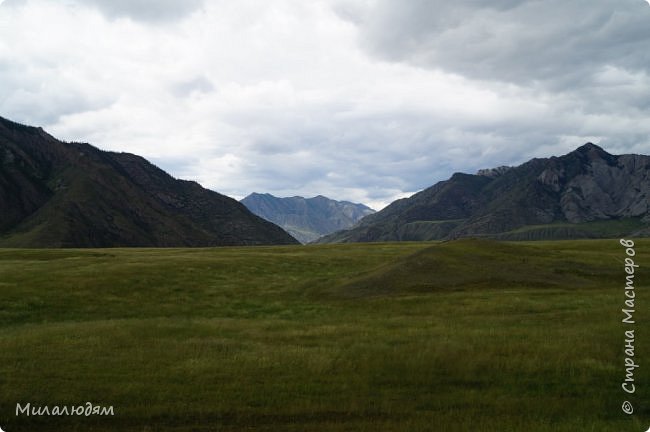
(359, 100)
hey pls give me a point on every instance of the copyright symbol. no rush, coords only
(627, 408)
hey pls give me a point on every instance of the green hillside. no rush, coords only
(470, 335)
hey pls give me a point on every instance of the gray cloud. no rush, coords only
(364, 100)
(146, 10)
(555, 42)
(13, 3)
(199, 84)
(42, 94)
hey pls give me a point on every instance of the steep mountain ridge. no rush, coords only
(56, 194)
(583, 186)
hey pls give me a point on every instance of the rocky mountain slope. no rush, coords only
(56, 194)
(586, 193)
(306, 219)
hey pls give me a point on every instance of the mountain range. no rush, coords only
(306, 219)
(58, 194)
(587, 193)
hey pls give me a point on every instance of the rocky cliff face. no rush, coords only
(607, 188)
(494, 172)
(56, 194)
(585, 186)
(306, 219)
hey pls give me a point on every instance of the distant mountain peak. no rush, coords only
(590, 152)
(591, 149)
(306, 219)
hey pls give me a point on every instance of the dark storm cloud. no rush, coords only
(556, 43)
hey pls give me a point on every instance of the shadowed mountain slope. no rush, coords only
(56, 194)
(587, 193)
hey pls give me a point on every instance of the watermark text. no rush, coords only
(87, 410)
(628, 310)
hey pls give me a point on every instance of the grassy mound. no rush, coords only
(486, 264)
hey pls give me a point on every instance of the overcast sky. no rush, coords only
(363, 100)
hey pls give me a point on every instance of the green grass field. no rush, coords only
(457, 336)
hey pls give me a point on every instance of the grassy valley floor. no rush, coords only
(458, 336)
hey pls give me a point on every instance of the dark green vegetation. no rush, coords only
(55, 194)
(614, 228)
(587, 193)
(306, 219)
(457, 336)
